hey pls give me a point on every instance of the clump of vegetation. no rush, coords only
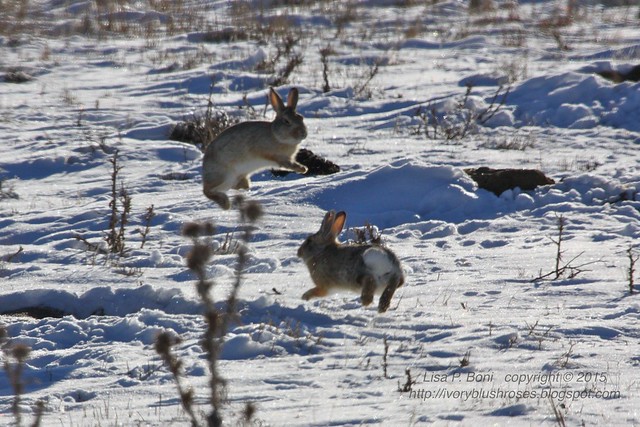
(385, 356)
(369, 234)
(287, 56)
(325, 53)
(4, 259)
(120, 207)
(362, 88)
(217, 317)
(478, 6)
(144, 231)
(408, 383)
(539, 335)
(17, 76)
(461, 121)
(6, 191)
(201, 129)
(225, 35)
(517, 142)
(466, 359)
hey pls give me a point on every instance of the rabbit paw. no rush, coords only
(221, 199)
(314, 293)
(300, 168)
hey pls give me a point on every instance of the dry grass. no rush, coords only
(102, 18)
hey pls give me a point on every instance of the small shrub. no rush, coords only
(17, 76)
(120, 208)
(385, 356)
(202, 129)
(325, 52)
(516, 142)
(6, 191)
(225, 35)
(284, 61)
(480, 6)
(369, 234)
(175, 176)
(563, 269)
(631, 270)
(362, 88)
(514, 37)
(461, 121)
(465, 361)
(408, 384)
(147, 218)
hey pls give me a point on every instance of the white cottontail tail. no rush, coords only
(250, 147)
(363, 268)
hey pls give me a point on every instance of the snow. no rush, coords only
(469, 256)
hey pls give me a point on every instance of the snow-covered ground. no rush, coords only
(483, 342)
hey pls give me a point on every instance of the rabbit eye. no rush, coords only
(287, 122)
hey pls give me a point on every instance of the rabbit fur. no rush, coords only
(363, 268)
(249, 147)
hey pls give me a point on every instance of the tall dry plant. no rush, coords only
(15, 358)
(218, 317)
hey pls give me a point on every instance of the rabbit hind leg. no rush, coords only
(221, 199)
(368, 289)
(215, 182)
(211, 191)
(243, 183)
(387, 294)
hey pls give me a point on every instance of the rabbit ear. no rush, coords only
(276, 101)
(338, 223)
(327, 222)
(292, 98)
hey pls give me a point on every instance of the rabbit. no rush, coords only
(364, 268)
(249, 147)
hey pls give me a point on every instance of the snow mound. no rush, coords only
(405, 192)
(576, 101)
(441, 199)
(100, 301)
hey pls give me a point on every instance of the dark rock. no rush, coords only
(618, 77)
(39, 312)
(315, 164)
(499, 180)
(17, 76)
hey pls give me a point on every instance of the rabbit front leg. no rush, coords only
(289, 164)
